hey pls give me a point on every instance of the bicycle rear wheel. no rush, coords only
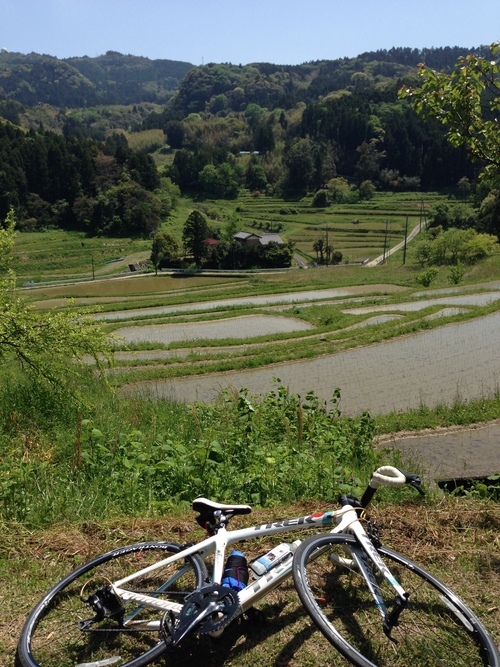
(436, 628)
(52, 637)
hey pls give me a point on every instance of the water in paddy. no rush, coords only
(236, 327)
(430, 367)
(482, 299)
(271, 299)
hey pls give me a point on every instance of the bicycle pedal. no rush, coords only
(167, 627)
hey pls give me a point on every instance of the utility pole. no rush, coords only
(385, 238)
(326, 249)
(406, 236)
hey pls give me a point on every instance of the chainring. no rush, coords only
(227, 605)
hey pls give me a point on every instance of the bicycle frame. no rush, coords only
(347, 521)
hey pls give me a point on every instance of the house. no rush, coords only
(251, 239)
(247, 238)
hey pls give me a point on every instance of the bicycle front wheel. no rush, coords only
(436, 627)
(128, 635)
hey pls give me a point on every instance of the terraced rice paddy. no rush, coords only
(431, 366)
(237, 327)
(224, 304)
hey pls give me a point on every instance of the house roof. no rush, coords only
(271, 238)
(264, 239)
(243, 236)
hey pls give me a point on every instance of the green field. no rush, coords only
(79, 477)
(381, 223)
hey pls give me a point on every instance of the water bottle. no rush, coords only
(273, 557)
(235, 573)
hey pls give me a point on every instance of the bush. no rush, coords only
(427, 277)
(320, 199)
(456, 274)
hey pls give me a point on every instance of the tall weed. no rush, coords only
(128, 457)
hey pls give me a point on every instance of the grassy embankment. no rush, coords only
(457, 539)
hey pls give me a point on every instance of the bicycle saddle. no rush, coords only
(208, 507)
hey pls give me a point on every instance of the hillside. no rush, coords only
(115, 78)
(336, 128)
(112, 78)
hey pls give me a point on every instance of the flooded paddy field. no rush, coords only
(482, 299)
(429, 367)
(248, 326)
(257, 300)
(452, 454)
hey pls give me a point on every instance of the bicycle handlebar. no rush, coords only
(389, 476)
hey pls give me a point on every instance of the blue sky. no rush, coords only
(242, 31)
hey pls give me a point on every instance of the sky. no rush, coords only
(285, 32)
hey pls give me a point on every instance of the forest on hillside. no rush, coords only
(69, 128)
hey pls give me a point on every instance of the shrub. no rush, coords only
(427, 277)
(456, 274)
(320, 199)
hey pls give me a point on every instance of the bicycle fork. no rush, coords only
(363, 558)
(389, 618)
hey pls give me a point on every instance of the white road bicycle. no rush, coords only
(129, 606)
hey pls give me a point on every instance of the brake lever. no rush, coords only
(413, 480)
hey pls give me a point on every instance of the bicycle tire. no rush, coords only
(436, 628)
(51, 636)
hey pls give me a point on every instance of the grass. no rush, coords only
(455, 538)
(441, 416)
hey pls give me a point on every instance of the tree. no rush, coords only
(370, 157)
(467, 102)
(255, 175)
(45, 345)
(455, 247)
(423, 251)
(320, 199)
(163, 250)
(194, 234)
(318, 247)
(366, 190)
(168, 193)
(339, 190)
(300, 162)
(489, 212)
(219, 181)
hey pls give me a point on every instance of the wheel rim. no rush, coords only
(52, 636)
